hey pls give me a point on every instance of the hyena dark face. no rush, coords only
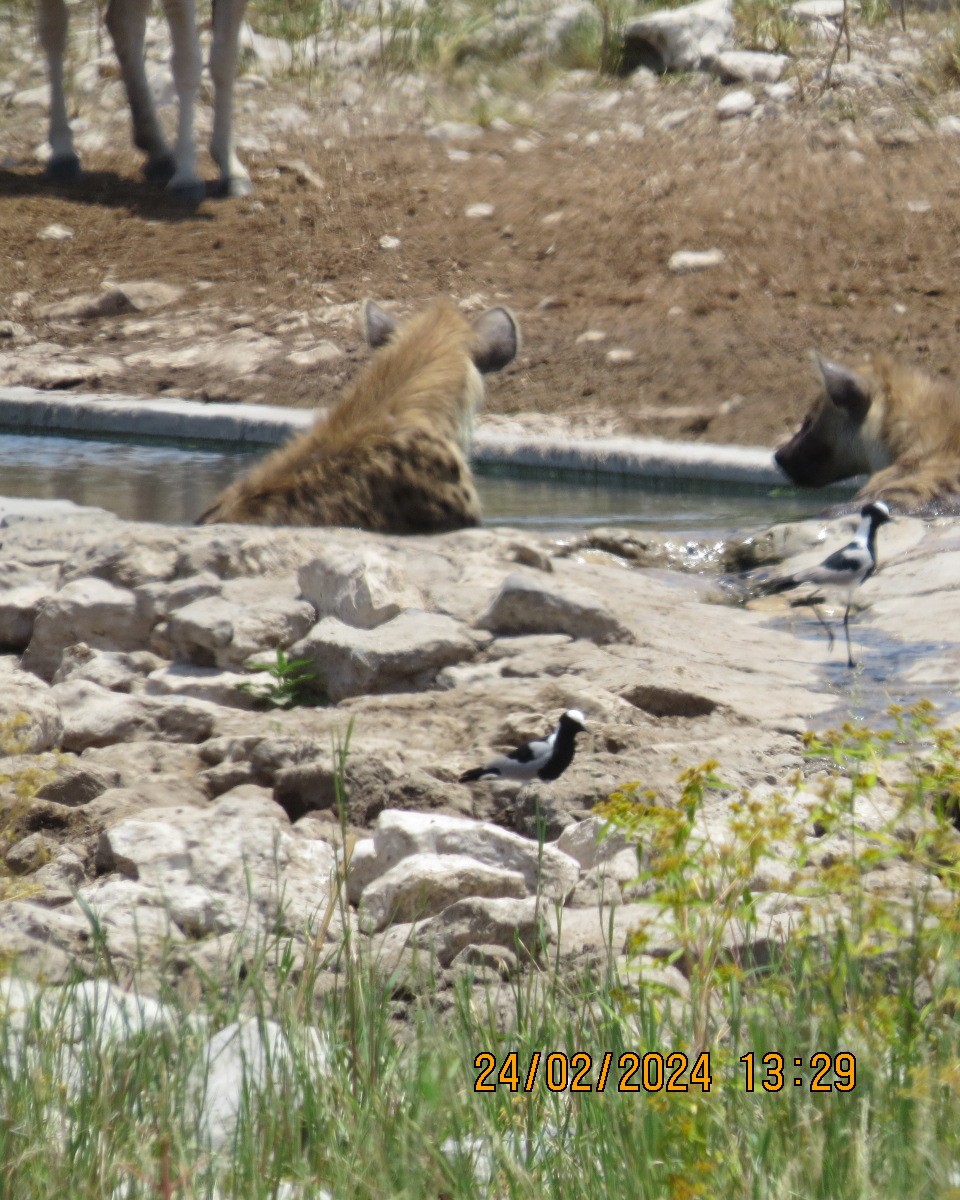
(837, 437)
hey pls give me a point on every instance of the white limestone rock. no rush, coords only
(85, 610)
(397, 835)
(226, 632)
(681, 39)
(527, 925)
(421, 885)
(30, 720)
(592, 842)
(359, 587)
(18, 612)
(750, 66)
(682, 262)
(735, 104)
(217, 869)
(250, 1065)
(117, 671)
(529, 604)
(233, 689)
(157, 600)
(406, 651)
(94, 716)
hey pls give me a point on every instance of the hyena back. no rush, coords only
(887, 420)
(392, 455)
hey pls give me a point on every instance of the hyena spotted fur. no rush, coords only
(392, 456)
(890, 421)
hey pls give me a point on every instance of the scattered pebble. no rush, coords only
(683, 261)
(55, 233)
(479, 212)
(739, 103)
(591, 335)
(620, 355)
(389, 242)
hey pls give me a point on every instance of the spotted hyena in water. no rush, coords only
(889, 421)
(392, 456)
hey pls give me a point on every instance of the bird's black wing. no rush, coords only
(849, 558)
(528, 752)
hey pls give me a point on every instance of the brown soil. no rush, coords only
(820, 246)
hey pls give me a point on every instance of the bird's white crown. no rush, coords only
(576, 715)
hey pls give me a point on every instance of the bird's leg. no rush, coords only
(816, 609)
(846, 630)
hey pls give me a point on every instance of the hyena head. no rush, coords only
(838, 435)
(493, 340)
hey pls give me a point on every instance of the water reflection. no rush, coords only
(175, 484)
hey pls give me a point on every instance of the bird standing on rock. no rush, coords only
(544, 759)
(845, 569)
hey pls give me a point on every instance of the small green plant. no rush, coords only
(293, 682)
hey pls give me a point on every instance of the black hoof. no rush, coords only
(63, 170)
(160, 170)
(187, 194)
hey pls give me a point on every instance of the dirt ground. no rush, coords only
(836, 237)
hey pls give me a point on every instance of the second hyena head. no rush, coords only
(840, 435)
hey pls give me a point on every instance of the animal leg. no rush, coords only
(816, 609)
(846, 630)
(227, 16)
(127, 20)
(186, 184)
(63, 164)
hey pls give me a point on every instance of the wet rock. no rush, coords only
(528, 604)
(408, 650)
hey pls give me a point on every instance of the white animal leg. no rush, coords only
(186, 184)
(63, 163)
(126, 21)
(227, 16)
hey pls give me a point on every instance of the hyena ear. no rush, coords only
(496, 340)
(378, 325)
(845, 388)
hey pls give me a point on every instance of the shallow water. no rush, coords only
(176, 484)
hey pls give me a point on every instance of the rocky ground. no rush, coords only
(154, 816)
(828, 205)
(144, 786)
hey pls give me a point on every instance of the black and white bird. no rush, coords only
(845, 569)
(545, 758)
